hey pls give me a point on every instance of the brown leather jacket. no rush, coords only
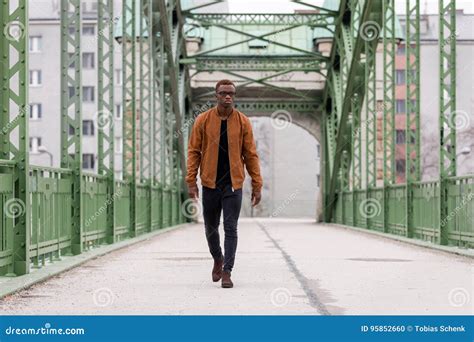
(203, 150)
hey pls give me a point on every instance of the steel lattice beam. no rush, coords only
(447, 105)
(263, 37)
(129, 153)
(145, 102)
(257, 63)
(371, 13)
(313, 20)
(412, 135)
(71, 110)
(14, 116)
(172, 51)
(272, 106)
(388, 105)
(105, 114)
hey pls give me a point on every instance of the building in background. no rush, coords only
(45, 85)
(429, 96)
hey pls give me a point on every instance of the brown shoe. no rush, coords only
(226, 282)
(217, 270)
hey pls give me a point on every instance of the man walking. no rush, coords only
(221, 142)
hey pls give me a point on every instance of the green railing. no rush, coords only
(364, 209)
(94, 208)
(156, 207)
(460, 220)
(426, 211)
(122, 227)
(7, 201)
(143, 208)
(50, 212)
(397, 217)
(166, 206)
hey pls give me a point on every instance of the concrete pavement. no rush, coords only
(283, 267)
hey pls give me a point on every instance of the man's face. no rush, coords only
(225, 95)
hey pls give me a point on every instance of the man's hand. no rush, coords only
(193, 191)
(256, 197)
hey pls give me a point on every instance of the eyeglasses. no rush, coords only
(225, 93)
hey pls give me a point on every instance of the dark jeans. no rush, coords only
(213, 202)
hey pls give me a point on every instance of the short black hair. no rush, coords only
(224, 82)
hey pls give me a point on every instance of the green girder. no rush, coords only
(14, 117)
(256, 63)
(313, 20)
(71, 110)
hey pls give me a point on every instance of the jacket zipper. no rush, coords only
(228, 150)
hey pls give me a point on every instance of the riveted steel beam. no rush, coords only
(168, 32)
(312, 20)
(257, 63)
(261, 37)
(105, 113)
(447, 106)
(129, 91)
(14, 148)
(412, 134)
(71, 110)
(370, 14)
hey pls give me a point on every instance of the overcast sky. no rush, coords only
(286, 6)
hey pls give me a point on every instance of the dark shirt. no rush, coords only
(223, 164)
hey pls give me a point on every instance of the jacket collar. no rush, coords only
(231, 116)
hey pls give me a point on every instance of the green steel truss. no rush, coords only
(71, 110)
(388, 104)
(129, 89)
(256, 63)
(236, 66)
(447, 112)
(51, 211)
(105, 113)
(14, 152)
(146, 101)
(412, 144)
(208, 19)
(350, 56)
(65, 210)
(435, 210)
(174, 49)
